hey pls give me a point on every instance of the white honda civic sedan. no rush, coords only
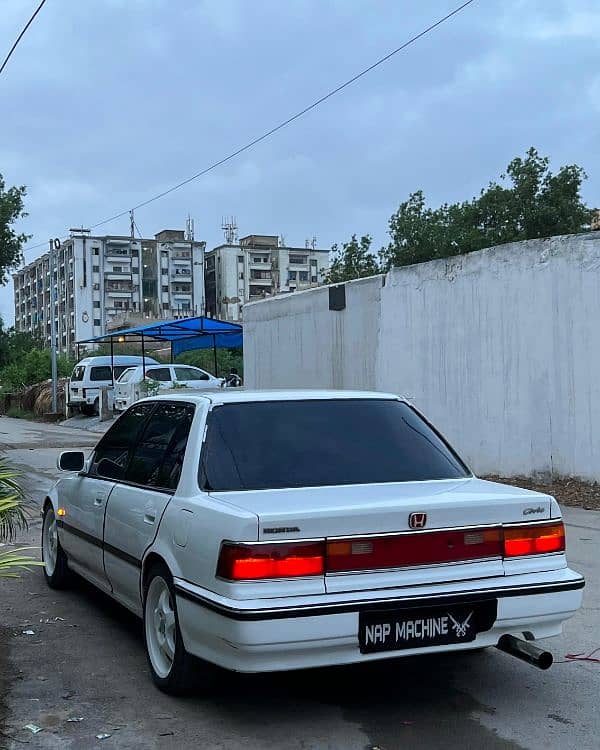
(265, 531)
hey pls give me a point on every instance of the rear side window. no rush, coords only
(100, 373)
(188, 373)
(162, 374)
(158, 456)
(118, 442)
(277, 444)
(78, 373)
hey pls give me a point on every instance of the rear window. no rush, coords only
(119, 370)
(100, 373)
(126, 375)
(78, 373)
(278, 444)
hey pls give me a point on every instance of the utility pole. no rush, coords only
(54, 245)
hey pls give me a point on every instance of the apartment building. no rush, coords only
(100, 281)
(256, 267)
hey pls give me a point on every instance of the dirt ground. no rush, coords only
(567, 491)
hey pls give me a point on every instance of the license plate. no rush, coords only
(419, 627)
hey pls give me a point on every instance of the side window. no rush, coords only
(100, 373)
(188, 373)
(117, 443)
(162, 374)
(158, 456)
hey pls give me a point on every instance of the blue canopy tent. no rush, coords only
(183, 334)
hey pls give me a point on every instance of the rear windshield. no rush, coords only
(126, 375)
(78, 373)
(277, 444)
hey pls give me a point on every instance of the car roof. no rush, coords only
(241, 395)
(118, 359)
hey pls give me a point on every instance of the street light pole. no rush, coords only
(53, 268)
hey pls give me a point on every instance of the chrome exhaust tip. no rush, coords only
(525, 651)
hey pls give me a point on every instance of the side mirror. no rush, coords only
(71, 461)
(109, 469)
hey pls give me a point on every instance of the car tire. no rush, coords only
(56, 566)
(87, 410)
(171, 667)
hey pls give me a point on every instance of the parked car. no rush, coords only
(266, 531)
(91, 373)
(130, 386)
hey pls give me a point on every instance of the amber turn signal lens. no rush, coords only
(520, 541)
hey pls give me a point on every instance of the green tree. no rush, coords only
(204, 358)
(15, 344)
(530, 202)
(354, 260)
(32, 367)
(11, 243)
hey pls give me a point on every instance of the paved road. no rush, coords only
(90, 663)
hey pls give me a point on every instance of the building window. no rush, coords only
(303, 276)
(313, 279)
(240, 258)
(118, 303)
(165, 287)
(96, 303)
(298, 260)
(96, 250)
(97, 322)
(165, 305)
(96, 269)
(313, 262)
(117, 269)
(292, 276)
(241, 275)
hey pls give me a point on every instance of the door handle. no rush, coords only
(100, 498)
(150, 516)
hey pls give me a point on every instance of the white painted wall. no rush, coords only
(500, 348)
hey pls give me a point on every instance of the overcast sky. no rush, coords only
(106, 103)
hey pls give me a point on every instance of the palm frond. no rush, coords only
(13, 560)
(12, 515)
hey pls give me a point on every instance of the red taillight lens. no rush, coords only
(420, 548)
(534, 540)
(250, 562)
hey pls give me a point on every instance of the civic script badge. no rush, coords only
(417, 520)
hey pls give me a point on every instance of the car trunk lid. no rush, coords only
(453, 539)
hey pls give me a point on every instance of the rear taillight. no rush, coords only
(534, 540)
(250, 562)
(419, 548)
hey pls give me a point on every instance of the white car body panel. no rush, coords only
(128, 392)
(279, 624)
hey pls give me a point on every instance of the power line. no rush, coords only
(283, 124)
(27, 25)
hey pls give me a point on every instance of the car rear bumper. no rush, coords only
(273, 635)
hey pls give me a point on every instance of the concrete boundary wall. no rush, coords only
(500, 348)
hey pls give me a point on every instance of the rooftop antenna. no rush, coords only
(307, 243)
(189, 229)
(229, 228)
(131, 224)
(313, 243)
(281, 240)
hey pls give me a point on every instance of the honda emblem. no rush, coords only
(417, 520)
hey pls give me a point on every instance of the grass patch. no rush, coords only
(16, 413)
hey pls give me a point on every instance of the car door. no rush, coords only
(137, 503)
(87, 494)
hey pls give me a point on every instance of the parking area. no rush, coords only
(77, 655)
